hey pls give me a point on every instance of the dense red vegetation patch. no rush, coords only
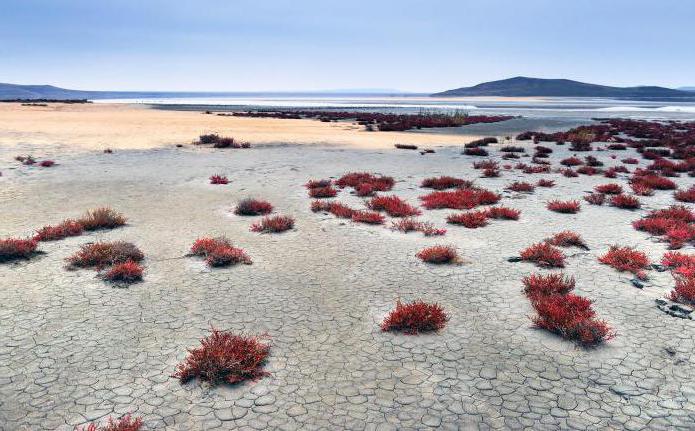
(126, 272)
(485, 164)
(519, 186)
(445, 182)
(322, 192)
(545, 183)
(101, 218)
(684, 290)
(676, 222)
(609, 189)
(272, 224)
(685, 195)
(587, 170)
(126, 423)
(679, 261)
(571, 161)
(491, 173)
(569, 173)
(252, 207)
(314, 184)
(630, 161)
(641, 189)
(219, 179)
(565, 207)
(459, 199)
(219, 252)
(63, 230)
(218, 141)
(625, 202)
(475, 151)
(224, 357)
(503, 213)
(47, 163)
(357, 179)
(567, 238)
(471, 219)
(102, 254)
(367, 217)
(544, 255)
(595, 198)
(626, 259)
(393, 205)
(15, 248)
(551, 284)
(409, 225)
(652, 181)
(415, 317)
(438, 254)
(336, 208)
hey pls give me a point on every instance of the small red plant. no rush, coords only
(14, 248)
(393, 205)
(503, 213)
(625, 202)
(626, 259)
(543, 285)
(224, 357)
(641, 189)
(102, 254)
(252, 207)
(355, 179)
(684, 290)
(630, 161)
(102, 218)
(595, 198)
(654, 181)
(471, 220)
(459, 199)
(219, 252)
(445, 182)
(609, 189)
(218, 179)
(367, 217)
(322, 192)
(318, 206)
(545, 183)
(674, 259)
(587, 170)
(365, 189)
(676, 213)
(126, 423)
(569, 173)
(565, 207)
(63, 230)
(491, 173)
(415, 317)
(409, 225)
(654, 225)
(341, 211)
(315, 184)
(544, 255)
(273, 224)
(680, 234)
(439, 254)
(518, 186)
(47, 163)
(685, 195)
(127, 272)
(485, 164)
(571, 161)
(567, 238)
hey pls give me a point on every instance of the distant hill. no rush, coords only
(522, 86)
(687, 88)
(14, 91)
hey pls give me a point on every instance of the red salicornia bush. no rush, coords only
(685, 195)
(102, 218)
(544, 255)
(459, 199)
(595, 198)
(102, 254)
(127, 272)
(355, 179)
(567, 239)
(626, 259)
(503, 213)
(684, 290)
(445, 182)
(625, 202)
(224, 357)
(545, 183)
(272, 224)
(544, 285)
(252, 207)
(367, 217)
(393, 205)
(219, 179)
(315, 184)
(571, 161)
(565, 207)
(415, 317)
(322, 192)
(609, 189)
(408, 224)
(219, 252)
(126, 423)
(518, 186)
(571, 317)
(439, 254)
(471, 219)
(15, 248)
(63, 230)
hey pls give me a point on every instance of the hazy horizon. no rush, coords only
(312, 46)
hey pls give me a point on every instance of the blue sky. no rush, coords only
(240, 45)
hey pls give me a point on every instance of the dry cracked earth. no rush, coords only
(75, 349)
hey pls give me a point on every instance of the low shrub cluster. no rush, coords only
(393, 206)
(16, 248)
(503, 213)
(445, 182)
(415, 317)
(219, 179)
(322, 192)
(595, 198)
(609, 189)
(62, 230)
(218, 141)
(359, 179)
(273, 224)
(439, 254)
(219, 252)
(537, 285)
(545, 183)
(104, 254)
(253, 207)
(565, 207)
(544, 255)
(460, 199)
(126, 272)
(126, 423)
(685, 195)
(367, 217)
(406, 225)
(625, 202)
(567, 238)
(471, 219)
(519, 186)
(102, 218)
(626, 259)
(676, 223)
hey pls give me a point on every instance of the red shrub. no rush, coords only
(102, 254)
(491, 173)
(486, 197)
(565, 207)
(341, 211)
(315, 184)
(46, 163)
(355, 179)
(685, 195)
(367, 217)
(684, 291)
(609, 189)
(654, 225)
(14, 248)
(626, 259)
(680, 234)
(476, 151)
(544, 285)
(471, 220)
(544, 255)
(393, 205)
(567, 239)
(625, 202)
(219, 252)
(630, 161)
(571, 317)
(318, 206)
(218, 179)
(415, 317)
(675, 212)
(272, 224)
(536, 169)
(444, 182)
(459, 199)
(252, 207)
(569, 173)
(545, 183)
(595, 198)
(587, 170)
(438, 254)
(654, 182)
(126, 423)
(571, 161)
(518, 186)
(101, 218)
(485, 164)
(408, 225)
(641, 189)
(365, 189)
(674, 259)
(224, 357)
(322, 192)
(503, 213)
(127, 272)
(63, 230)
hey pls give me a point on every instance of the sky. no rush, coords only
(309, 45)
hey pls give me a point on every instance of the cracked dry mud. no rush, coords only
(75, 349)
